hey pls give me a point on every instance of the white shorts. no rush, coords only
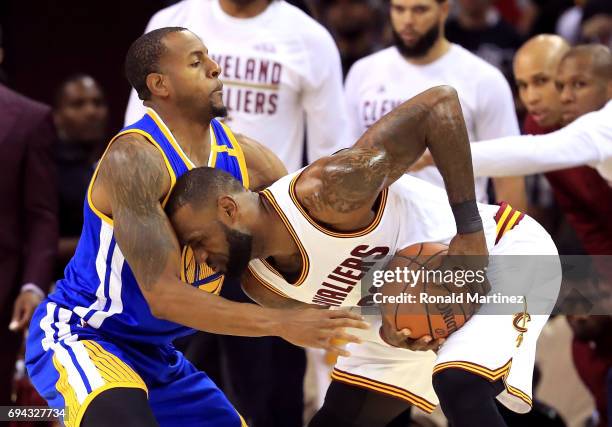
(487, 345)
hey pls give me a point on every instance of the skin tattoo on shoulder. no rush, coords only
(133, 175)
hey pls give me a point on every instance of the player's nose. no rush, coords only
(214, 70)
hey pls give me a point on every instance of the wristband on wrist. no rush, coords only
(467, 217)
(31, 287)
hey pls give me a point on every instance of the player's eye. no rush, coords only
(579, 84)
(541, 81)
(196, 64)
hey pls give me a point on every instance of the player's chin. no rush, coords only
(219, 109)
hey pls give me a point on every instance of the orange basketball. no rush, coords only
(437, 319)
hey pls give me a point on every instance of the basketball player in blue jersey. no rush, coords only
(101, 344)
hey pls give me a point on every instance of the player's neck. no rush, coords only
(440, 47)
(192, 135)
(270, 235)
(242, 9)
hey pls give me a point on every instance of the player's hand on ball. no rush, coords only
(319, 328)
(469, 252)
(402, 339)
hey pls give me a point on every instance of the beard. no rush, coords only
(240, 249)
(218, 111)
(421, 47)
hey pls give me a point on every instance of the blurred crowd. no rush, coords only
(48, 155)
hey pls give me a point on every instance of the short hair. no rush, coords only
(143, 56)
(201, 186)
(59, 92)
(600, 56)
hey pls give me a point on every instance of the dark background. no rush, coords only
(45, 41)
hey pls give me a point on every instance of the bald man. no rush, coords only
(535, 67)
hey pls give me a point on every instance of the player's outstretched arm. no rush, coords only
(132, 174)
(352, 178)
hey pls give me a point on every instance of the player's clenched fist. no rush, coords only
(318, 328)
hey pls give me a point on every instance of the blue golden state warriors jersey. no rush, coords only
(99, 286)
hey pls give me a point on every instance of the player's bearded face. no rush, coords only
(240, 249)
(420, 46)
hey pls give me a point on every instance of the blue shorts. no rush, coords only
(70, 364)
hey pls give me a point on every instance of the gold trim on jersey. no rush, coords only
(192, 272)
(149, 138)
(506, 218)
(384, 388)
(490, 374)
(267, 285)
(349, 234)
(518, 393)
(239, 154)
(305, 262)
(162, 126)
(114, 372)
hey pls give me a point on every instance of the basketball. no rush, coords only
(437, 319)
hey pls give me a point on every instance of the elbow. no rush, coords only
(444, 95)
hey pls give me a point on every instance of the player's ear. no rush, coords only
(227, 209)
(157, 85)
(444, 10)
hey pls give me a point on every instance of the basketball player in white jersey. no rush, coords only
(421, 58)
(309, 233)
(280, 70)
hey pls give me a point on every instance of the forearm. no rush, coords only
(267, 298)
(527, 155)
(186, 305)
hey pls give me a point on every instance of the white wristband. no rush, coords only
(31, 287)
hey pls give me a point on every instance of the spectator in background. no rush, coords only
(592, 352)
(479, 28)
(421, 58)
(535, 70)
(28, 220)
(356, 26)
(596, 26)
(81, 116)
(282, 79)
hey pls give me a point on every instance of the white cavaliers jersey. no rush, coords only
(333, 263)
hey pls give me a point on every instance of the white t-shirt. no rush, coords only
(380, 82)
(585, 141)
(280, 69)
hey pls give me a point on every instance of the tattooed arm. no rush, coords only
(346, 184)
(134, 179)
